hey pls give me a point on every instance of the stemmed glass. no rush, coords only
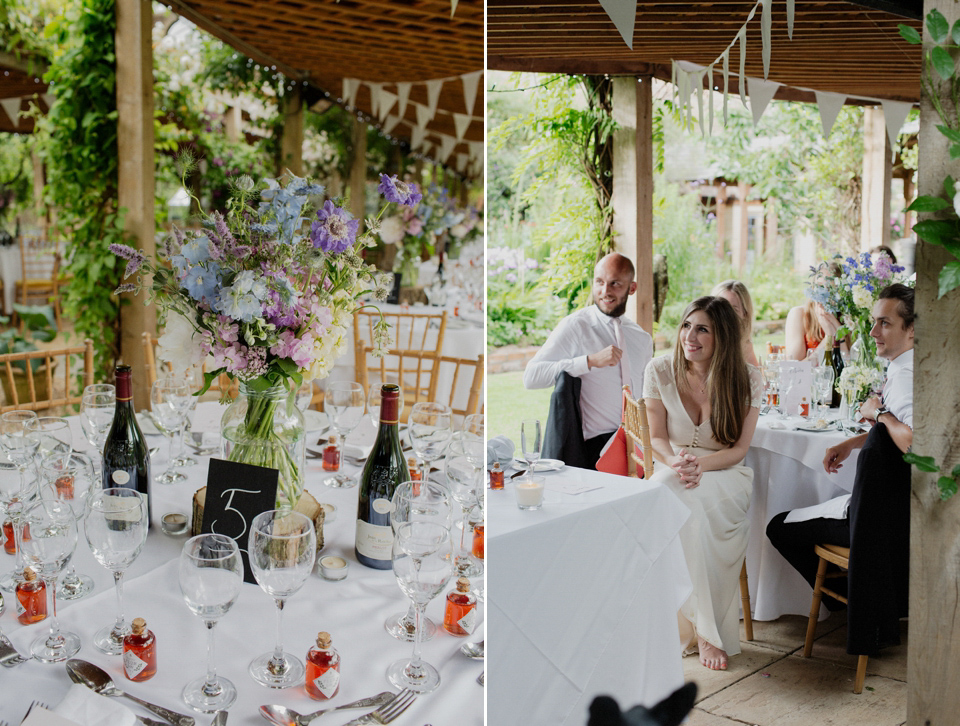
(193, 377)
(530, 441)
(463, 484)
(344, 403)
(429, 429)
(416, 501)
(823, 385)
(474, 446)
(53, 437)
(53, 538)
(97, 409)
(282, 547)
(116, 528)
(20, 449)
(66, 482)
(422, 564)
(211, 573)
(169, 403)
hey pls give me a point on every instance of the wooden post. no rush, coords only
(358, 172)
(877, 174)
(772, 251)
(721, 220)
(135, 181)
(632, 197)
(233, 121)
(934, 646)
(741, 237)
(291, 144)
(909, 192)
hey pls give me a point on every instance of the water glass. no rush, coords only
(19, 448)
(428, 427)
(170, 400)
(530, 441)
(71, 483)
(344, 402)
(97, 409)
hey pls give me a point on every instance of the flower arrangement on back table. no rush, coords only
(267, 291)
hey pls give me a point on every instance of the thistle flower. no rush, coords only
(334, 230)
(399, 192)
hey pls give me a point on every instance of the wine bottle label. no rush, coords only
(328, 682)
(120, 477)
(468, 621)
(374, 541)
(132, 665)
(382, 506)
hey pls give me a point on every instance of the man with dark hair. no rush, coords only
(873, 521)
(602, 350)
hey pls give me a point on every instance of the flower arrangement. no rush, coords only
(857, 382)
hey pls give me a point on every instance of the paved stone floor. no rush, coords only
(771, 684)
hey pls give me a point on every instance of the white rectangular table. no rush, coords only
(583, 599)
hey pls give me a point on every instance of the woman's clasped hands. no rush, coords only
(688, 468)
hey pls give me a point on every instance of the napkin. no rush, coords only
(501, 449)
(40, 716)
(87, 708)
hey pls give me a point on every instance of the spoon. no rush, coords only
(94, 677)
(283, 716)
(473, 650)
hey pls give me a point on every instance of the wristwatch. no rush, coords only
(879, 412)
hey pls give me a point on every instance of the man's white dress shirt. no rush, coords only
(581, 334)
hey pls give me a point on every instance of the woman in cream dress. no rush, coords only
(703, 402)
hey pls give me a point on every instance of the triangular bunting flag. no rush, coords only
(416, 137)
(387, 100)
(11, 107)
(829, 105)
(790, 14)
(375, 89)
(446, 147)
(433, 95)
(761, 92)
(350, 86)
(423, 115)
(48, 98)
(894, 114)
(476, 150)
(461, 122)
(470, 83)
(461, 164)
(623, 13)
(403, 93)
(453, 7)
(766, 21)
(390, 123)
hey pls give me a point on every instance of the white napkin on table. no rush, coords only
(501, 449)
(86, 708)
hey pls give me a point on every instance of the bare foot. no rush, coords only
(711, 656)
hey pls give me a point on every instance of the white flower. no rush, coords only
(179, 344)
(862, 297)
(956, 203)
(392, 230)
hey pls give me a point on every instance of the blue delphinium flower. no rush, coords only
(200, 281)
(334, 230)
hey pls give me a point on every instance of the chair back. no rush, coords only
(220, 385)
(38, 380)
(638, 434)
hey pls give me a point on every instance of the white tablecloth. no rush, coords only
(352, 611)
(788, 473)
(583, 599)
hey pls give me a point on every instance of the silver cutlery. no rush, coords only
(480, 679)
(220, 719)
(4, 723)
(2, 604)
(94, 677)
(387, 713)
(473, 650)
(283, 716)
(9, 657)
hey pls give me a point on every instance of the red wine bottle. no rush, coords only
(386, 468)
(126, 459)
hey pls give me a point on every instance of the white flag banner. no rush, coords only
(423, 115)
(462, 161)
(453, 7)
(894, 114)
(790, 15)
(11, 107)
(766, 21)
(446, 147)
(623, 13)
(471, 82)
(350, 86)
(403, 93)
(390, 123)
(416, 137)
(48, 98)
(387, 100)
(375, 89)
(461, 122)
(761, 92)
(829, 105)
(433, 95)
(476, 150)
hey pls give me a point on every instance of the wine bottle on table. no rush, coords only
(837, 363)
(386, 467)
(126, 459)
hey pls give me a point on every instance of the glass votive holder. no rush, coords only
(529, 492)
(333, 567)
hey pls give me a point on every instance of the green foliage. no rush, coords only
(78, 141)
(39, 321)
(947, 484)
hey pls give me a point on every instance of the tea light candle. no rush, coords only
(333, 568)
(529, 492)
(329, 513)
(174, 523)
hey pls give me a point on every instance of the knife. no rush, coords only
(220, 719)
(151, 721)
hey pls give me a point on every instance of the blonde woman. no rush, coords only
(703, 402)
(736, 293)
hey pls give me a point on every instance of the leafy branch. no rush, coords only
(947, 484)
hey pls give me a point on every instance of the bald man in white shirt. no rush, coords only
(602, 348)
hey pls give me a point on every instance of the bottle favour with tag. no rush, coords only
(323, 669)
(496, 476)
(140, 652)
(460, 617)
(31, 598)
(331, 454)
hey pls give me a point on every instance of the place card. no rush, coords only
(236, 493)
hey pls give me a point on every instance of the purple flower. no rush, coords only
(135, 258)
(334, 230)
(398, 191)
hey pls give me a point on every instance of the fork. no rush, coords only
(387, 712)
(9, 657)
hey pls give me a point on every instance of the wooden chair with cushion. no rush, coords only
(637, 429)
(839, 556)
(38, 380)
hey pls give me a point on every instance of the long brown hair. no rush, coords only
(728, 379)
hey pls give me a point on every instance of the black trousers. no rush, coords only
(795, 542)
(593, 447)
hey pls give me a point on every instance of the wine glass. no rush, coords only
(472, 438)
(72, 485)
(304, 395)
(169, 403)
(429, 429)
(416, 501)
(530, 441)
(422, 564)
(282, 547)
(53, 538)
(823, 377)
(193, 377)
(116, 528)
(463, 484)
(19, 449)
(211, 573)
(53, 437)
(344, 403)
(97, 409)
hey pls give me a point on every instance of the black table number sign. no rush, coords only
(236, 493)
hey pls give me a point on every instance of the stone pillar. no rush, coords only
(357, 181)
(877, 174)
(291, 144)
(632, 197)
(135, 181)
